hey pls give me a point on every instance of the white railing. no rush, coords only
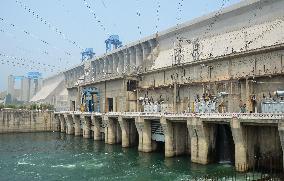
(131, 114)
(182, 115)
(153, 114)
(260, 115)
(113, 113)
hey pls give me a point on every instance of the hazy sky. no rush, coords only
(41, 35)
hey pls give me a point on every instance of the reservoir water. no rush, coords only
(56, 156)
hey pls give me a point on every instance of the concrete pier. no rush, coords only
(77, 125)
(144, 130)
(96, 128)
(199, 140)
(62, 124)
(129, 132)
(240, 145)
(176, 137)
(112, 131)
(70, 125)
(86, 126)
(192, 134)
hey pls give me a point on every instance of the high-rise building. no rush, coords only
(29, 86)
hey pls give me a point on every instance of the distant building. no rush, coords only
(2, 96)
(23, 88)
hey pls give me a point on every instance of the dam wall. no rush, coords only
(19, 121)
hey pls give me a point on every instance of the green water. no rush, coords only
(55, 156)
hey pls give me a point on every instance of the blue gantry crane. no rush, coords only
(88, 54)
(113, 42)
(87, 99)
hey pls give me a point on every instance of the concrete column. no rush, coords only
(176, 137)
(121, 62)
(281, 135)
(98, 67)
(107, 64)
(124, 132)
(77, 125)
(62, 124)
(146, 50)
(128, 132)
(87, 127)
(115, 63)
(132, 54)
(126, 60)
(70, 125)
(139, 123)
(249, 105)
(56, 125)
(93, 69)
(110, 68)
(97, 129)
(146, 53)
(144, 131)
(241, 161)
(112, 135)
(109, 131)
(101, 66)
(175, 97)
(168, 132)
(152, 46)
(139, 55)
(199, 140)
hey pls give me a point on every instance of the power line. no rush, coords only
(29, 34)
(47, 23)
(158, 16)
(99, 21)
(138, 15)
(22, 62)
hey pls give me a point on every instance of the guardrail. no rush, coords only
(173, 115)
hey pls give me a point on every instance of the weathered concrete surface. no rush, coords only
(240, 145)
(86, 126)
(128, 132)
(17, 121)
(96, 128)
(199, 134)
(112, 131)
(176, 137)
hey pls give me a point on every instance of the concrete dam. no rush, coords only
(211, 88)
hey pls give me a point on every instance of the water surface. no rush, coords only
(56, 156)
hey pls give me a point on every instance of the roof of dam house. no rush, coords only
(238, 7)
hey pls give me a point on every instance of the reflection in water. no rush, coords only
(56, 156)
